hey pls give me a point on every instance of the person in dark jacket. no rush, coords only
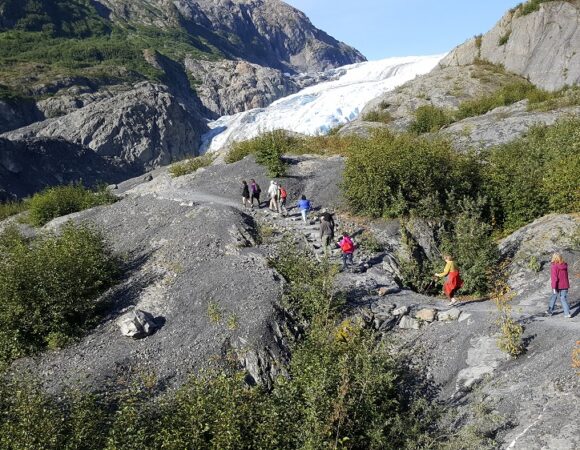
(560, 285)
(245, 194)
(255, 192)
(326, 233)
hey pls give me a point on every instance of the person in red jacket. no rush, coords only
(347, 248)
(560, 284)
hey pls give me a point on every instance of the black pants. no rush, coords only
(255, 195)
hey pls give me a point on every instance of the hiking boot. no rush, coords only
(567, 316)
(549, 313)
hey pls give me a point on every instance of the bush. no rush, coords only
(268, 149)
(378, 115)
(535, 175)
(391, 175)
(62, 200)
(471, 244)
(429, 119)
(190, 166)
(10, 209)
(49, 287)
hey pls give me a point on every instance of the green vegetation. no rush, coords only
(503, 40)
(62, 200)
(535, 175)
(391, 175)
(49, 287)
(378, 115)
(10, 209)
(429, 119)
(268, 148)
(530, 6)
(344, 390)
(191, 165)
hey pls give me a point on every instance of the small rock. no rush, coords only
(401, 311)
(148, 177)
(452, 314)
(409, 323)
(137, 324)
(426, 314)
(386, 291)
(112, 187)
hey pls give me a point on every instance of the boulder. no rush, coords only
(426, 314)
(401, 311)
(408, 323)
(447, 316)
(382, 309)
(137, 324)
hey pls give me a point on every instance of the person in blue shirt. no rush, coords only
(304, 206)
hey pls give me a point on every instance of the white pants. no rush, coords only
(304, 212)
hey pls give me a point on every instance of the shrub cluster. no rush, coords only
(343, 391)
(378, 115)
(11, 208)
(268, 148)
(62, 200)
(190, 166)
(49, 287)
(429, 119)
(391, 175)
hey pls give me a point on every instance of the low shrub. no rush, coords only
(190, 166)
(391, 175)
(268, 149)
(503, 40)
(11, 209)
(378, 115)
(62, 200)
(534, 175)
(429, 119)
(531, 6)
(49, 287)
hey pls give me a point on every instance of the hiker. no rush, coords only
(273, 195)
(347, 248)
(304, 206)
(282, 195)
(245, 194)
(453, 282)
(255, 192)
(560, 285)
(328, 217)
(326, 232)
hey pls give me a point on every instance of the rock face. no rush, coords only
(541, 46)
(29, 165)
(269, 33)
(228, 87)
(144, 127)
(16, 114)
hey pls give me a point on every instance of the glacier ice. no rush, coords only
(316, 109)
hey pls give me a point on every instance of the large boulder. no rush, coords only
(144, 127)
(541, 46)
(137, 324)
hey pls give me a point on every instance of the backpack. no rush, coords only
(283, 193)
(347, 245)
(258, 190)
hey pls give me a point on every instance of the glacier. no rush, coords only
(318, 108)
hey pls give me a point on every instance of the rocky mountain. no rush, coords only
(540, 45)
(135, 81)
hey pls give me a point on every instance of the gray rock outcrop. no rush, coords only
(542, 46)
(144, 128)
(228, 87)
(137, 324)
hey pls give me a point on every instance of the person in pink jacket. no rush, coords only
(560, 284)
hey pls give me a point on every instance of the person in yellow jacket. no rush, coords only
(453, 282)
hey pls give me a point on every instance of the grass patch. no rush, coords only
(62, 200)
(531, 6)
(429, 119)
(378, 115)
(503, 40)
(11, 208)
(49, 287)
(268, 148)
(191, 165)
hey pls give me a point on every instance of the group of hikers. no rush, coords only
(277, 197)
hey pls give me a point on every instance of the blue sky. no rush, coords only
(383, 28)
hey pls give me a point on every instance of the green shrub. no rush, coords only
(391, 175)
(506, 95)
(531, 6)
(268, 149)
(429, 119)
(62, 200)
(190, 166)
(503, 40)
(49, 287)
(10, 209)
(535, 175)
(471, 244)
(378, 115)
